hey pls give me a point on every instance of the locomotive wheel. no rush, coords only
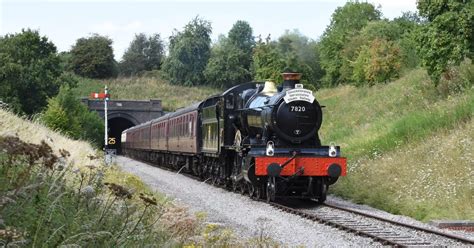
(270, 190)
(322, 192)
(258, 192)
(235, 187)
(242, 188)
(251, 191)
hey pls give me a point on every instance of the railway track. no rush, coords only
(379, 233)
(382, 233)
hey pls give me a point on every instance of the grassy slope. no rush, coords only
(145, 88)
(410, 152)
(32, 132)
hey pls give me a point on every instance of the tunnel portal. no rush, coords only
(122, 114)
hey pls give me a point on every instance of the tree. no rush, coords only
(301, 55)
(189, 52)
(408, 23)
(93, 57)
(226, 67)
(241, 36)
(66, 114)
(268, 63)
(447, 37)
(346, 22)
(29, 69)
(231, 57)
(144, 54)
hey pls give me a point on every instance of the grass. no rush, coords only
(403, 144)
(145, 88)
(56, 192)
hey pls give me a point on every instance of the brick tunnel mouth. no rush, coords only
(116, 126)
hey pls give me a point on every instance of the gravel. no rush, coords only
(247, 218)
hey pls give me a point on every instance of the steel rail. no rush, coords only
(371, 231)
(419, 228)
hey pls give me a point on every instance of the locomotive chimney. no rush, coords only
(290, 79)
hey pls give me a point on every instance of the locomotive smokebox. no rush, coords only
(290, 79)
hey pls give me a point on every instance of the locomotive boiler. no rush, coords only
(255, 138)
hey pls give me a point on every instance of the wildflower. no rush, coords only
(76, 170)
(64, 153)
(119, 190)
(92, 157)
(88, 191)
(148, 200)
(90, 166)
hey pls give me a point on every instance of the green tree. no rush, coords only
(29, 69)
(231, 57)
(447, 37)
(346, 22)
(226, 67)
(241, 36)
(143, 54)
(93, 57)
(408, 23)
(189, 52)
(267, 62)
(66, 114)
(301, 55)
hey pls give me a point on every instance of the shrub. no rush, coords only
(66, 114)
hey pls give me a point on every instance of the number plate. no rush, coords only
(297, 108)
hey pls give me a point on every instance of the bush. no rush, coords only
(457, 79)
(66, 114)
(379, 62)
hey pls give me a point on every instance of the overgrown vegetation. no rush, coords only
(149, 86)
(392, 136)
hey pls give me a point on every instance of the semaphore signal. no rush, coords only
(105, 96)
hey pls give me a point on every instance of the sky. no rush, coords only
(65, 21)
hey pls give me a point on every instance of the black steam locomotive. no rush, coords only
(254, 138)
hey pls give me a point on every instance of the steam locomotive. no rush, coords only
(254, 138)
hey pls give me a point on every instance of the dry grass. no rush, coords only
(34, 132)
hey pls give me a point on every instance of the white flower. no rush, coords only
(88, 191)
